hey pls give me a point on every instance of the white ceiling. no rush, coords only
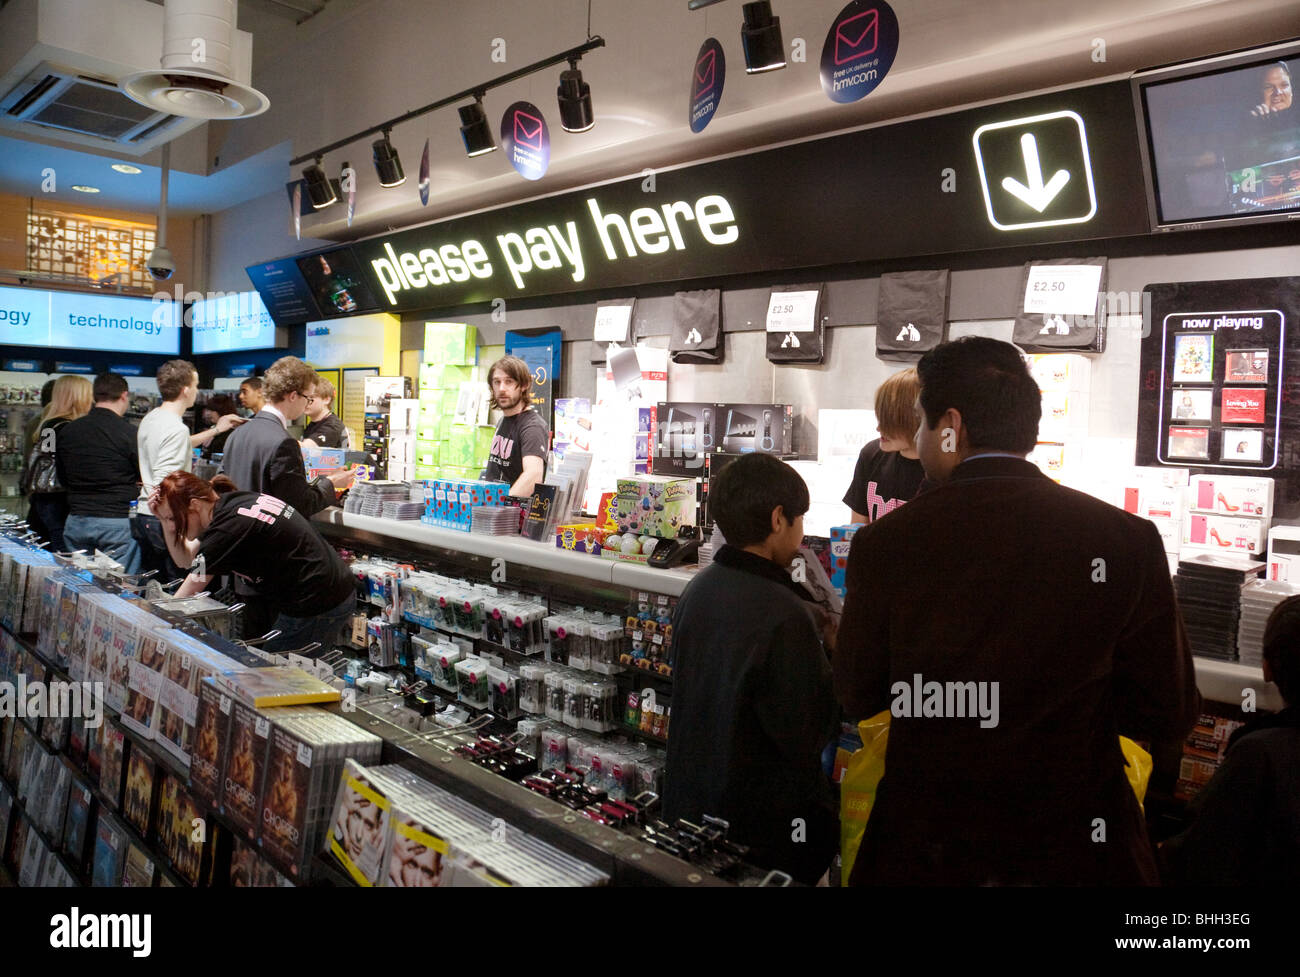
(358, 62)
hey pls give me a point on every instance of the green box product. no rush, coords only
(454, 343)
(423, 472)
(456, 471)
(446, 376)
(447, 400)
(428, 452)
(483, 442)
(461, 446)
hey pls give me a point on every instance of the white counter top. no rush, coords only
(516, 549)
(1219, 681)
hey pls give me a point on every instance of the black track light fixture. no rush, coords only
(574, 96)
(387, 163)
(760, 36)
(475, 130)
(319, 188)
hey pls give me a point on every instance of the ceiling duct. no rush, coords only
(197, 77)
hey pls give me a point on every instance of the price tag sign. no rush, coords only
(1063, 289)
(612, 322)
(792, 311)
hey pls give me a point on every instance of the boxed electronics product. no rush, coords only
(1224, 533)
(450, 343)
(683, 434)
(1233, 495)
(1159, 495)
(841, 541)
(755, 427)
(654, 505)
(1284, 553)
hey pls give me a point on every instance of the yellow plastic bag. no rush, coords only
(1137, 767)
(862, 775)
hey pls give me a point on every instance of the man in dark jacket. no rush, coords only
(752, 695)
(98, 464)
(260, 456)
(1014, 629)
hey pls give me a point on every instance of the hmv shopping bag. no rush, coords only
(697, 327)
(912, 314)
(1061, 306)
(795, 329)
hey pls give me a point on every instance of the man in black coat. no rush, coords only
(260, 456)
(1014, 629)
(753, 704)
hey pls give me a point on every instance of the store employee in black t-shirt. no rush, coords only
(889, 473)
(215, 530)
(519, 447)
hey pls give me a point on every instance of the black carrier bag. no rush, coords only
(799, 346)
(1061, 332)
(697, 327)
(912, 314)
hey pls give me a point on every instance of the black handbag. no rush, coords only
(41, 473)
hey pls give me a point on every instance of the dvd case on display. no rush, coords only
(242, 783)
(57, 805)
(284, 810)
(76, 825)
(143, 685)
(112, 762)
(110, 843)
(360, 825)
(183, 850)
(208, 760)
(6, 816)
(34, 855)
(138, 799)
(417, 856)
(138, 869)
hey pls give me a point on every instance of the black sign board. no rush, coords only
(1051, 168)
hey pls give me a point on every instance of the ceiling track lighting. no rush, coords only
(760, 36)
(574, 98)
(475, 130)
(387, 163)
(319, 189)
(575, 107)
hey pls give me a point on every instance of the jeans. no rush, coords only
(297, 632)
(154, 554)
(52, 510)
(113, 536)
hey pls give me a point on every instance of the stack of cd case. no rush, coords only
(1209, 590)
(392, 827)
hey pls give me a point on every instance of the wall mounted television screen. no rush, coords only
(1222, 139)
(336, 283)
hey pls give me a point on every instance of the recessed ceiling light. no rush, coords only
(126, 168)
(82, 188)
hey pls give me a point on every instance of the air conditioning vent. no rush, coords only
(87, 106)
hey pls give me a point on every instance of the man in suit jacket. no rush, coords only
(1014, 629)
(260, 456)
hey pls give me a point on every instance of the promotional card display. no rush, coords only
(1215, 356)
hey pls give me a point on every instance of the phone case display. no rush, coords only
(649, 627)
(1213, 365)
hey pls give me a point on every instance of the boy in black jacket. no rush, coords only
(751, 683)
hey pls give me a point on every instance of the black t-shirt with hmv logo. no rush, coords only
(525, 433)
(882, 481)
(275, 550)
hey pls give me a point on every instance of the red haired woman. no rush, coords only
(214, 529)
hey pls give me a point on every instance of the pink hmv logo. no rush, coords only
(528, 130)
(706, 73)
(857, 37)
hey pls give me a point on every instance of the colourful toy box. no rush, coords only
(654, 505)
(449, 502)
(841, 539)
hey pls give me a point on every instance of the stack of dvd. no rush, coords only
(1257, 602)
(391, 827)
(306, 753)
(1209, 589)
(495, 520)
(368, 498)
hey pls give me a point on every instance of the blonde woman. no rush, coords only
(888, 472)
(72, 398)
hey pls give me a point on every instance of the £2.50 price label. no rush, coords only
(792, 311)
